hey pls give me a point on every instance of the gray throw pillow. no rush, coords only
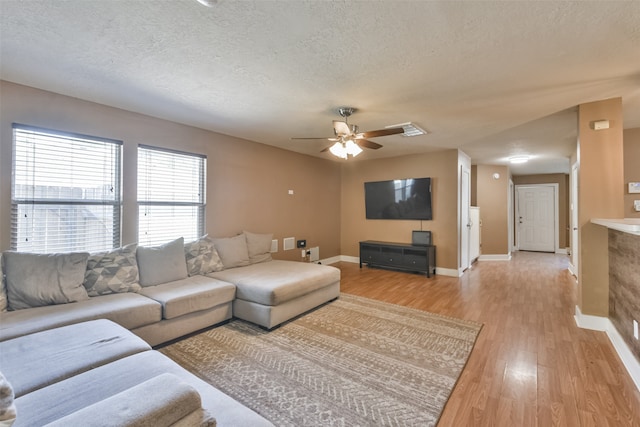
(202, 257)
(233, 251)
(112, 271)
(3, 289)
(34, 280)
(162, 264)
(259, 246)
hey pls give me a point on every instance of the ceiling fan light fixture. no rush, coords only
(352, 148)
(409, 129)
(518, 159)
(338, 150)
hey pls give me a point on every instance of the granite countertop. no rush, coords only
(627, 225)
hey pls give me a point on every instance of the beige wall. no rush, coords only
(441, 166)
(600, 180)
(563, 199)
(631, 169)
(492, 199)
(247, 182)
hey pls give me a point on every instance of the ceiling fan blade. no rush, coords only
(341, 128)
(326, 149)
(332, 138)
(381, 132)
(368, 144)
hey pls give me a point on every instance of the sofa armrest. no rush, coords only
(161, 401)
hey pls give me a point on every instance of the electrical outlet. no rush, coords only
(635, 329)
(304, 253)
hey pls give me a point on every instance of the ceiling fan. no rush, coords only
(348, 140)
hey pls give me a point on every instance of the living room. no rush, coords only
(265, 188)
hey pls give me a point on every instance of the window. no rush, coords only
(65, 193)
(171, 195)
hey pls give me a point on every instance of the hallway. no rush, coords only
(531, 365)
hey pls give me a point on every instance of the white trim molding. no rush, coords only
(603, 324)
(562, 251)
(495, 257)
(452, 272)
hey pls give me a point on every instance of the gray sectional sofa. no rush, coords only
(158, 294)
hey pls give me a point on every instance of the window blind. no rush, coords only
(65, 191)
(171, 195)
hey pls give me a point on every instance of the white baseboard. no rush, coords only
(562, 251)
(598, 323)
(356, 260)
(572, 270)
(496, 257)
(448, 272)
(339, 258)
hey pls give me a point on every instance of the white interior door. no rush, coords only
(536, 218)
(465, 224)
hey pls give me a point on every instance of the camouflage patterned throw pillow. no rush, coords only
(202, 257)
(113, 271)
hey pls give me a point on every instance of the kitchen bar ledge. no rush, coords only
(627, 225)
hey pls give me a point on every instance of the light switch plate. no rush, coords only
(274, 246)
(634, 187)
(636, 205)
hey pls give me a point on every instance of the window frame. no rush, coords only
(200, 205)
(78, 138)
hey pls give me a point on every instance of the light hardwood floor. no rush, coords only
(531, 365)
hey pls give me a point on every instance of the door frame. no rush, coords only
(556, 213)
(574, 234)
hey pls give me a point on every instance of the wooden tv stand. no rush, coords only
(400, 256)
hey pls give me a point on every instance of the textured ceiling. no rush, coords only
(491, 78)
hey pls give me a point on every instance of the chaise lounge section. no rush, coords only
(95, 318)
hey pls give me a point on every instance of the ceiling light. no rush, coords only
(343, 149)
(518, 159)
(410, 129)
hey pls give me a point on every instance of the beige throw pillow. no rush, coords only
(34, 280)
(233, 251)
(162, 264)
(259, 246)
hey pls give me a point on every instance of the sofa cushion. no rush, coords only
(66, 397)
(68, 351)
(259, 247)
(233, 251)
(162, 264)
(275, 282)
(190, 295)
(129, 310)
(202, 257)
(112, 271)
(35, 280)
(160, 401)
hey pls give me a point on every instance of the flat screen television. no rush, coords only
(398, 199)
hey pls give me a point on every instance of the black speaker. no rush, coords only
(421, 238)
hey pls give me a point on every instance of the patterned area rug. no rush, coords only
(352, 362)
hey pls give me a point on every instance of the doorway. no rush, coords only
(537, 217)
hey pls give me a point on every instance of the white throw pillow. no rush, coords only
(233, 251)
(202, 257)
(162, 264)
(259, 246)
(34, 280)
(112, 271)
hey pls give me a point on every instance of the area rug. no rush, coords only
(351, 362)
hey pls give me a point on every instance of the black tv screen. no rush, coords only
(398, 199)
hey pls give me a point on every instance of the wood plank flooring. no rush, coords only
(531, 365)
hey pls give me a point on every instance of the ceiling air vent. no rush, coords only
(410, 129)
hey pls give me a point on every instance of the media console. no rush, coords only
(401, 256)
